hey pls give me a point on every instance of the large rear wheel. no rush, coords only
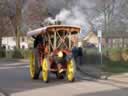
(33, 66)
(45, 70)
(71, 68)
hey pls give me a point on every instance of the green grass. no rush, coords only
(117, 67)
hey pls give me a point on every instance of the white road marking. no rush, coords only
(26, 66)
(13, 64)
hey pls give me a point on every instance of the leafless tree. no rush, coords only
(34, 12)
(5, 27)
(12, 9)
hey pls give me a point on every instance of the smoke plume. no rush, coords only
(75, 14)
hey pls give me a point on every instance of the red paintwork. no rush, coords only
(52, 63)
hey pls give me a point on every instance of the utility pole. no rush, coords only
(100, 46)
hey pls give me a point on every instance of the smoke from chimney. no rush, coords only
(73, 16)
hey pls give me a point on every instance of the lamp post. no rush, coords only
(100, 45)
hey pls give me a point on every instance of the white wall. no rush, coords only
(10, 42)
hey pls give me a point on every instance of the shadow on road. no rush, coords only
(118, 92)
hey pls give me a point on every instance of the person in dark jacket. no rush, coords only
(38, 40)
(38, 47)
(75, 54)
(80, 55)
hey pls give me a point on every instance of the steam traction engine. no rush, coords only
(54, 50)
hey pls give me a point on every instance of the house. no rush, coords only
(115, 39)
(109, 40)
(91, 38)
(10, 42)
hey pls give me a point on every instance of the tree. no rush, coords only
(5, 25)
(12, 9)
(34, 12)
(114, 13)
(16, 21)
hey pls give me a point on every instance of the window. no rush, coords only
(109, 41)
(113, 41)
(125, 46)
(23, 39)
(126, 41)
(120, 45)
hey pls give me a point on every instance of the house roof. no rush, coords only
(91, 38)
(115, 34)
(89, 34)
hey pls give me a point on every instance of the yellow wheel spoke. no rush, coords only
(70, 70)
(32, 65)
(45, 70)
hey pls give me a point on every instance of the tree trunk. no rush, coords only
(18, 23)
(0, 42)
(17, 37)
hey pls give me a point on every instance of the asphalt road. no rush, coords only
(15, 80)
(14, 77)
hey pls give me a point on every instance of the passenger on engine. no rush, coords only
(38, 40)
(60, 59)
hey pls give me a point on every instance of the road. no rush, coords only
(15, 80)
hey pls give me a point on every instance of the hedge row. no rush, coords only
(92, 56)
(19, 53)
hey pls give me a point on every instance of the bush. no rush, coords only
(114, 54)
(125, 54)
(2, 53)
(109, 55)
(20, 53)
(91, 56)
(25, 53)
(17, 54)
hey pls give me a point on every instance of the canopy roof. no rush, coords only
(55, 28)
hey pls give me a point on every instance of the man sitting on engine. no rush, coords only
(59, 57)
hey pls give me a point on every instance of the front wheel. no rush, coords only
(45, 70)
(33, 66)
(71, 68)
